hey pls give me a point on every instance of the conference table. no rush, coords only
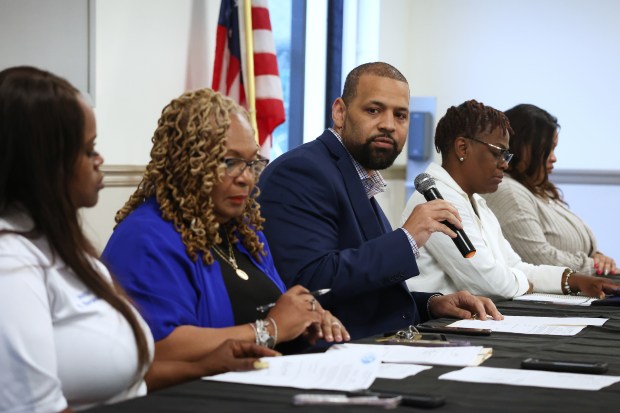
(591, 344)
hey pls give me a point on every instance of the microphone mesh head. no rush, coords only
(423, 182)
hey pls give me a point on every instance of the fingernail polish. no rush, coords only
(599, 272)
(259, 365)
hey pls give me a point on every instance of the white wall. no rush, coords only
(561, 55)
(595, 204)
(143, 51)
(147, 53)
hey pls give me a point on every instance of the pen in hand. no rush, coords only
(267, 307)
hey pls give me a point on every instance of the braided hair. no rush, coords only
(469, 120)
(186, 163)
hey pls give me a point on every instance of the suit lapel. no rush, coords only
(367, 220)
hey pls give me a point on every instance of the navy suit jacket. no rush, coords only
(324, 232)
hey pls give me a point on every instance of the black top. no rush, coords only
(245, 295)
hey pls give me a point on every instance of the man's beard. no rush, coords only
(374, 158)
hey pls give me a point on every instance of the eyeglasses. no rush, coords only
(503, 153)
(409, 333)
(236, 166)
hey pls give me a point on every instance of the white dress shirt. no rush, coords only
(495, 271)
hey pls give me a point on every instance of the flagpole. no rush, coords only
(249, 49)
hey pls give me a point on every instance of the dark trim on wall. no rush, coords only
(298, 74)
(333, 67)
(585, 177)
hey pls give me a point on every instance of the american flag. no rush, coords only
(228, 70)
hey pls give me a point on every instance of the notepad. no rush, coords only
(557, 299)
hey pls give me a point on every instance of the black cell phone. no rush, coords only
(613, 300)
(565, 366)
(408, 399)
(454, 330)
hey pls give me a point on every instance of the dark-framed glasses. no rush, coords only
(234, 167)
(503, 153)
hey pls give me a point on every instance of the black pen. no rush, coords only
(267, 307)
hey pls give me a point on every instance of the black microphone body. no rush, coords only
(462, 242)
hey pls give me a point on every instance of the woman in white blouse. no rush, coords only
(473, 140)
(69, 339)
(529, 207)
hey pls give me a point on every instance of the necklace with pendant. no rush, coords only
(231, 261)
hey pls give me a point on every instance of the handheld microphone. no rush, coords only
(425, 184)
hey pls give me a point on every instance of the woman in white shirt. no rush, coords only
(68, 337)
(473, 140)
(530, 208)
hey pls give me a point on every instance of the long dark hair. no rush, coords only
(532, 142)
(41, 136)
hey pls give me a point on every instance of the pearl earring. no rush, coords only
(461, 159)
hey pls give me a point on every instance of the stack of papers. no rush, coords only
(437, 356)
(350, 367)
(555, 326)
(557, 299)
(348, 370)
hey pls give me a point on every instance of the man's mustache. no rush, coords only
(386, 135)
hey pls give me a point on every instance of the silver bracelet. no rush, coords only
(275, 331)
(263, 338)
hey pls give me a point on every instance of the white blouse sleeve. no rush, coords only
(28, 382)
(486, 273)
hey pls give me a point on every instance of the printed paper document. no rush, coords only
(399, 370)
(346, 370)
(439, 356)
(555, 326)
(557, 299)
(517, 377)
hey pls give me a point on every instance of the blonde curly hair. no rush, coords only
(186, 163)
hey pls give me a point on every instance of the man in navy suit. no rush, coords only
(326, 230)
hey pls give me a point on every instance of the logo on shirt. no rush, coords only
(86, 298)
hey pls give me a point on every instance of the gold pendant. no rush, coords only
(242, 274)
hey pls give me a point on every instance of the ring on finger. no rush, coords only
(313, 305)
(336, 324)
